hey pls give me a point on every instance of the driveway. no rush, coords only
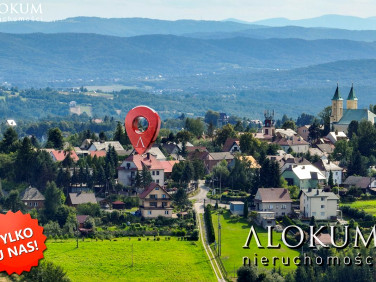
(201, 197)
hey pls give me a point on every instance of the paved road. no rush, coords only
(201, 197)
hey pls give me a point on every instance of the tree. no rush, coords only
(304, 119)
(24, 161)
(357, 165)
(247, 274)
(188, 173)
(314, 131)
(245, 209)
(180, 198)
(120, 135)
(199, 169)
(55, 139)
(330, 180)
(352, 129)
(13, 201)
(342, 151)
(289, 124)
(210, 130)
(53, 200)
(146, 177)
(225, 132)
(325, 119)
(46, 271)
(10, 137)
(211, 117)
(194, 126)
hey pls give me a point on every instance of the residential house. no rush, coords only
(231, 145)
(326, 166)
(104, 146)
(213, 159)
(284, 133)
(32, 198)
(250, 159)
(86, 144)
(128, 169)
(98, 154)
(296, 143)
(304, 176)
(75, 199)
(155, 201)
(266, 219)
(290, 162)
(276, 200)
(336, 136)
(60, 155)
(317, 203)
(326, 148)
(81, 220)
(157, 153)
(237, 207)
(361, 182)
(303, 131)
(222, 120)
(118, 205)
(167, 167)
(11, 122)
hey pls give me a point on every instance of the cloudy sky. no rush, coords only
(249, 10)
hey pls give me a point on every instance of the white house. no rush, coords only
(304, 176)
(99, 146)
(296, 143)
(317, 203)
(11, 122)
(336, 136)
(326, 166)
(128, 169)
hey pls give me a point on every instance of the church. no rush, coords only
(341, 118)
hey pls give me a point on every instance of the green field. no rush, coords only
(112, 260)
(369, 206)
(234, 235)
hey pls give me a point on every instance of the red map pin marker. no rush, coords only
(142, 140)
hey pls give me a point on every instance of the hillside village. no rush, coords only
(271, 172)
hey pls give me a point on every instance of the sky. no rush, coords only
(248, 10)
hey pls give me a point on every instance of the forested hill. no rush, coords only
(42, 58)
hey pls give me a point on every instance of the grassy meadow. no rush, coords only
(234, 235)
(369, 206)
(112, 260)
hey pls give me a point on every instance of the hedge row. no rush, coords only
(209, 224)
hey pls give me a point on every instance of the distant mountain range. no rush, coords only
(123, 27)
(329, 21)
(70, 56)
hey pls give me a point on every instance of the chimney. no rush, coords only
(309, 189)
(148, 156)
(328, 161)
(317, 192)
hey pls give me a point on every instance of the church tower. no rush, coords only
(352, 100)
(337, 106)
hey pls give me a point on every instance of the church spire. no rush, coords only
(337, 95)
(352, 95)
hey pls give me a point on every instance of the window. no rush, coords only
(35, 204)
(277, 206)
(149, 212)
(283, 213)
(323, 206)
(153, 204)
(166, 212)
(30, 204)
(270, 207)
(164, 204)
(156, 188)
(284, 207)
(164, 196)
(153, 173)
(157, 172)
(153, 197)
(322, 199)
(128, 165)
(157, 181)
